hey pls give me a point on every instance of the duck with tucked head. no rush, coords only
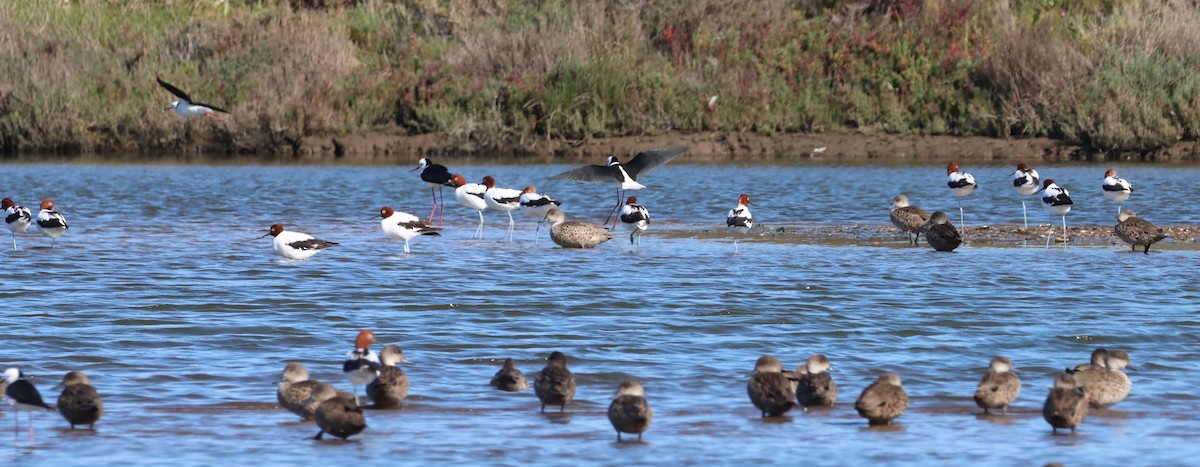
(629, 411)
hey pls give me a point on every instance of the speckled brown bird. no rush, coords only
(882, 401)
(815, 386)
(509, 378)
(999, 387)
(79, 403)
(1065, 407)
(299, 394)
(1137, 232)
(769, 390)
(555, 385)
(909, 219)
(629, 411)
(391, 386)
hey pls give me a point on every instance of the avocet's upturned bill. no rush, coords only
(404, 226)
(625, 175)
(186, 107)
(740, 221)
(51, 222)
(636, 218)
(536, 205)
(435, 177)
(18, 218)
(471, 196)
(1026, 181)
(295, 245)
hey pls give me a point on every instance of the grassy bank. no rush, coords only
(510, 75)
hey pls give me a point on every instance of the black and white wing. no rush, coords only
(176, 91)
(647, 160)
(590, 173)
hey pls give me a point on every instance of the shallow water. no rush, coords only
(163, 293)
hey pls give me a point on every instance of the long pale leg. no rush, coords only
(14, 241)
(1025, 213)
(537, 232)
(406, 247)
(962, 221)
(511, 223)
(479, 230)
(735, 247)
(1064, 227)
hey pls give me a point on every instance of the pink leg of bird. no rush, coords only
(433, 193)
(214, 117)
(614, 209)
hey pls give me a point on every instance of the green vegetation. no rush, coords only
(511, 74)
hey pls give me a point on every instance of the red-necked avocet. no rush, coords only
(404, 226)
(1026, 181)
(1057, 201)
(505, 200)
(636, 218)
(471, 196)
(961, 184)
(536, 205)
(740, 221)
(17, 217)
(362, 364)
(51, 222)
(295, 245)
(1116, 189)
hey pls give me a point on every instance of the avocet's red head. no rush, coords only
(953, 167)
(1110, 173)
(744, 199)
(631, 201)
(276, 229)
(364, 340)
(1046, 184)
(7, 203)
(386, 212)
(48, 204)
(529, 189)
(1022, 167)
(489, 182)
(458, 180)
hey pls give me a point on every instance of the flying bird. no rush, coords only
(186, 107)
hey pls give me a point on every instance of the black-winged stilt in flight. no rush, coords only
(186, 107)
(624, 174)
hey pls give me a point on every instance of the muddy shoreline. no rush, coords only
(998, 235)
(383, 149)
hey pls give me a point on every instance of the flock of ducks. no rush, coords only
(1098, 384)
(943, 236)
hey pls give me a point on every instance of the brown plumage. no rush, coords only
(1097, 362)
(815, 386)
(509, 378)
(1106, 386)
(629, 411)
(909, 219)
(882, 401)
(340, 416)
(575, 234)
(1137, 232)
(390, 387)
(555, 385)
(941, 234)
(79, 403)
(999, 387)
(300, 395)
(1065, 407)
(769, 390)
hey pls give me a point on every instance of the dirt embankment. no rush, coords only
(740, 147)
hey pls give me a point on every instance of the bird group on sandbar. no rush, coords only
(944, 236)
